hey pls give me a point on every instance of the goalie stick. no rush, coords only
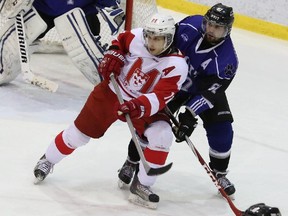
(2, 2)
(259, 209)
(149, 170)
(28, 76)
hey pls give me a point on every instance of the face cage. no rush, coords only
(227, 27)
(168, 39)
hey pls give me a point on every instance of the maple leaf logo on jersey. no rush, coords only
(139, 78)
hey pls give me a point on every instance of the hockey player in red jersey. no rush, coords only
(206, 43)
(149, 71)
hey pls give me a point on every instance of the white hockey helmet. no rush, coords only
(160, 25)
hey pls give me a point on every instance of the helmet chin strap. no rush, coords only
(163, 49)
(169, 50)
(213, 43)
(157, 55)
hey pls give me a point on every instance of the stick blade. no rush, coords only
(43, 83)
(158, 171)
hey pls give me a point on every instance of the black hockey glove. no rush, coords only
(187, 125)
(261, 209)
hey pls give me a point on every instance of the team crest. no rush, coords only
(139, 78)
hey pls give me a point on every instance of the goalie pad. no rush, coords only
(84, 50)
(9, 51)
(10, 8)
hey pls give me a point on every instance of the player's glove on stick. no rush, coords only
(134, 108)
(112, 62)
(187, 125)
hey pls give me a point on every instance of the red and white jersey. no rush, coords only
(152, 80)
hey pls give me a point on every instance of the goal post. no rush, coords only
(128, 15)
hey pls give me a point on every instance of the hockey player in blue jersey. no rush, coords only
(76, 24)
(206, 43)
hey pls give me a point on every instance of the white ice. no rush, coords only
(85, 183)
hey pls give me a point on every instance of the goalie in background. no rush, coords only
(41, 18)
(149, 71)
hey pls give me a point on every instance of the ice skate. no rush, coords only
(42, 169)
(142, 195)
(126, 173)
(225, 183)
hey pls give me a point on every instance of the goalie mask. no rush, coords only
(159, 33)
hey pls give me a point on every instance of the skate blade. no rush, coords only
(232, 196)
(122, 185)
(37, 180)
(133, 198)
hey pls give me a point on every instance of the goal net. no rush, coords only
(137, 13)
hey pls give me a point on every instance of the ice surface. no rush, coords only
(85, 183)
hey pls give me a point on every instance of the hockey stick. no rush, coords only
(2, 2)
(254, 210)
(28, 76)
(149, 170)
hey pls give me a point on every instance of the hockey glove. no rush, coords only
(112, 62)
(187, 125)
(13, 8)
(133, 107)
(261, 209)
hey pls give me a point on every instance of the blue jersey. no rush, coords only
(211, 70)
(59, 7)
